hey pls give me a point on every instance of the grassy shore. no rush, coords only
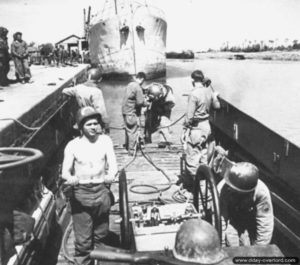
(268, 55)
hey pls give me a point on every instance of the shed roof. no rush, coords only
(69, 37)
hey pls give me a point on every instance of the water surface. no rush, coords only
(269, 91)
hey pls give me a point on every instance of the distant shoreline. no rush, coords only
(267, 55)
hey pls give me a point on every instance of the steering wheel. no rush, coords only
(8, 158)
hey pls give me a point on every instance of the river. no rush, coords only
(269, 91)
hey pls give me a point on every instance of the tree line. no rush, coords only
(255, 46)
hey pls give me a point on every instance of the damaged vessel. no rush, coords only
(128, 37)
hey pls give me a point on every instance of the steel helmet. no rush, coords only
(3, 32)
(197, 76)
(155, 90)
(84, 113)
(198, 241)
(242, 177)
(95, 74)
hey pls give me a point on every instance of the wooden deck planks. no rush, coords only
(140, 171)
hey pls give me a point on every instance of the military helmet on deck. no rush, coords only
(95, 74)
(198, 241)
(85, 113)
(242, 177)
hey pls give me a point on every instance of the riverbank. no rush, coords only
(267, 55)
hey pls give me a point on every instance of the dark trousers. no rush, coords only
(91, 226)
(4, 69)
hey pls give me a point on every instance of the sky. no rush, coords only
(192, 24)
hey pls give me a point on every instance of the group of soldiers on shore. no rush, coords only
(90, 165)
(19, 54)
(59, 56)
(22, 58)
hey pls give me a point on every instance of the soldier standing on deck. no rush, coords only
(246, 207)
(4, 57)
(133, 101)
(19, 53)
(158, 113)
(197, 131)
(89, 165)
(89, 94)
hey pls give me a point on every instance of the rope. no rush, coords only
(173, 123)
(169, 184)
(65, 239)
(155, 189)
(134, 157)
(138, 146)
(159, 127)
(111, 127)
(21, 124)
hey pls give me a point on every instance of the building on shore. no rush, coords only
(73, 42)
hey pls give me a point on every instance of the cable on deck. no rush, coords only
(21, 124)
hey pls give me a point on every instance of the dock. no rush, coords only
(28, 103)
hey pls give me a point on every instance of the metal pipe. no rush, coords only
(133, 41)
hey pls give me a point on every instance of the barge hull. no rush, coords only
(47, 117)
(278, 161)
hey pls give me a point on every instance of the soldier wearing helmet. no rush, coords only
(89, 94)
(133, 101)
(159, 112)
(197, 241)
(246, 207)
(4, 57)
(19, 52)
(197, 131)
(89, 165)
